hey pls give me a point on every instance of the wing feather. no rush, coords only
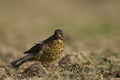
(35, 49)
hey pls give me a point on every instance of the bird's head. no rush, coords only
(59, 34)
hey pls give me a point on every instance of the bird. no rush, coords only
(46, 51)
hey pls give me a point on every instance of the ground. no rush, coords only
(75, 64)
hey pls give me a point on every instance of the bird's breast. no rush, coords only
(52, 50)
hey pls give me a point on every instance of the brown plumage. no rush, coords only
(46, 51)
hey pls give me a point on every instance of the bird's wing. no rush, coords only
(35, 49)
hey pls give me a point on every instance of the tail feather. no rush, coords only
(20, 61)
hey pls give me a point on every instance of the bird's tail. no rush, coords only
(20, 61)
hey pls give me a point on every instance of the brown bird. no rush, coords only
(46, 51)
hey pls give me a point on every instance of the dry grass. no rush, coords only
(91, 64)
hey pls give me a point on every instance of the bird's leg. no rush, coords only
(44, 68)
(54, 66)
(50, 66)
(46, 65)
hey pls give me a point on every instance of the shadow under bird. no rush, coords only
(45, 51)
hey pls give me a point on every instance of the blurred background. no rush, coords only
(87, 24)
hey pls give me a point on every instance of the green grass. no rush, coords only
(93, 31)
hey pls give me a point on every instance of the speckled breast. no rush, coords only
(52, 51)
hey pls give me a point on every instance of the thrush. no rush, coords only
(45, 51)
